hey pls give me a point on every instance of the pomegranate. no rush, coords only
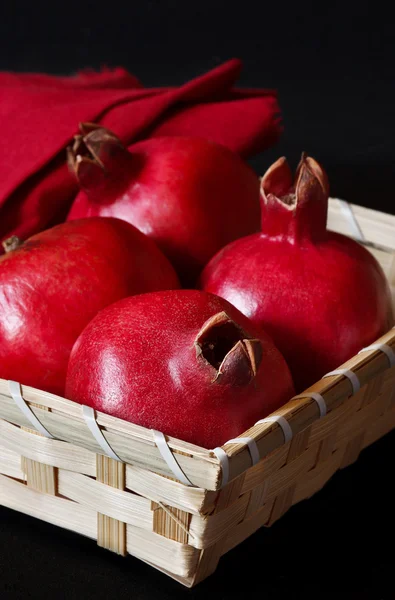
(183, 362)
(320, 295)
(53, 284)
(190, 195)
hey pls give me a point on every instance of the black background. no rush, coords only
(333, 65)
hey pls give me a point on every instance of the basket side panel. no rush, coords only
(296, 472)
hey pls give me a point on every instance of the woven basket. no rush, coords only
(137, 505)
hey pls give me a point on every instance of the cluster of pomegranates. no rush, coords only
(182, 294)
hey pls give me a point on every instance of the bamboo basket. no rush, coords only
(174, 505)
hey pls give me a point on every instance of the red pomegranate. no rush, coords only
(183, 362)
(53, 284)
(320, 295)
(190, 195)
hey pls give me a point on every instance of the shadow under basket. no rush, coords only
(174, 505)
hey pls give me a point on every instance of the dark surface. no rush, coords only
(333, 67)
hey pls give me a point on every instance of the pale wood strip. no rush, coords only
(10, 464)
(326, 448)
(282, 503)
(329, 425)
(187, 582)
(39, 476)
(173, 493)
(171, 522)
(372, 390)
(351, 423)
(297, 471)
(209, 557)
(262, 471)
(230, 493)
(180, 559)
(99, 497)
(52, 509)
(284, 478)
(167, 491)
(47, 451)
(242, 531)
(299, 444)
(377, 227)
(111, 533)
(208, 562)
(389, 389)
(352, 450)
(257, 497)
(348, 429)
(210, 530)
(389, 377)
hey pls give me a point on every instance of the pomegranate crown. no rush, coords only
(295, 207)
(92, 148)
(279, 182)
(234, 355)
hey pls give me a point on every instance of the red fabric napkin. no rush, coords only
(39, 114)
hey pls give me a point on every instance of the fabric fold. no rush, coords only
(39, 114)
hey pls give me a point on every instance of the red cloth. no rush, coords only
(39, 114)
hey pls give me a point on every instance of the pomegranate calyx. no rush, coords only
(79, 155)
(255, 353)
(11, 243)
(310, 169)
(277, 181)
(95, 144)
(296, 208)
(227, 348)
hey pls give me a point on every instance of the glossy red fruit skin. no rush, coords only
(190, 195)
(56, 282)
(320, 295)
(137, 360)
